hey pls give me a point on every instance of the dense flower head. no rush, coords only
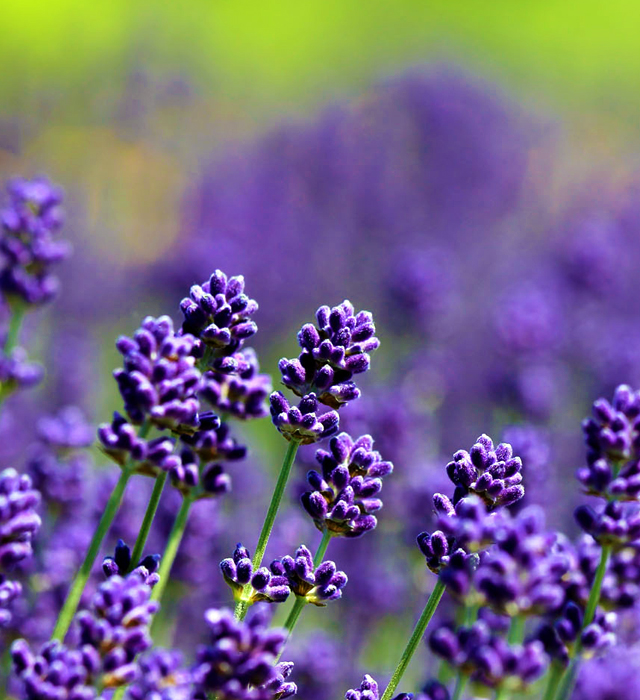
(333, 351)
(161, 676)
(218, 312)
(216, 444)
(302, 423)
(613, 432)
(18, 518)
(117, 623)
(56, 671)
(281, 688)
(523, 573)
(491, 472)
(66, 430)
(317, 585)
(239, 660)
(17, 372)
(265, 586)
(488, 658)
(466, 527)
(196, 477)
(27, 243)
(9, 592)
(369, 690)
(615, 524)
(560, 636)
(159, 380)
(345, 495)
(241, 393)
(120, 564)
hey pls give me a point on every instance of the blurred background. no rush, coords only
(467, 171)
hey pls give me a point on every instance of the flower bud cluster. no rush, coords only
(265, 586)
(332, 353)
(302, 423)
(345, 494)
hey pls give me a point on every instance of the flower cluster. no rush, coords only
(218, 312)
(238, 572)
(493, 473)
(332, 353)
(316, 585)
(120, 564)
(161, 676)
(368, 690)
(302, 423)
(238, 663)
(18, 524)
(345, 495)
(488, 658)
(28, 244)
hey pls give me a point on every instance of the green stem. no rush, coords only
(15, 322)
(242, 606)
(149, 515)
(414, 640)
(555, 676)
(77, 587)
(516, 630)
(173, 543)
(569, 677)
(461, 682)
(119, 693)
(322, 548)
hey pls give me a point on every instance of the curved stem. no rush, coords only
(147, 521)
(322, 548)
(173, 544)
(15, 322)
(555, 676)
(242, 605)
(414, 640)
(569, 677)
(77, 587)
(461, 682)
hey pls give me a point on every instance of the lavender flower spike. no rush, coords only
(301, 423)
(491, 472)
(219, 313)
(238, 663)
(238, 572)
(280, 688)
(161, 676)
(316, 585)
(346, 494)
(18, 518)
(369, 690)
(332, 353)
(159, 381)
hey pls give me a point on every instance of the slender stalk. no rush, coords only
(555, 676)
(15, 323)
(516, 630)
(77, 587)
(173, 544)
(461, 682)
(147, 521)
(322, 548)
(414, 640)
(569, 677)
(242, 605)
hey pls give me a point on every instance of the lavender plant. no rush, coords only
(525, 604)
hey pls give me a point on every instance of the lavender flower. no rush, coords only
(215, 444)
(219, 313)
(301, 423)
(16, 372)
(161, 676)
(56, 671)
(345, 495)
(317, 585)
(27, 242)
(67, 430)
(239, 660)
(487, 658)
(18, 518)
(9, 592)
(332, 353)
(613, 433)
(238, 572)
(120, 564)
(242, 394)
(280, 688)
(159, 381)
(369, 690)
(492, 473)
(116, 625)
(615, 524)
